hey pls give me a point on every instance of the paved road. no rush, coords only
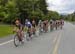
(56, 42)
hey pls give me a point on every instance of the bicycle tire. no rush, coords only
(16, 39)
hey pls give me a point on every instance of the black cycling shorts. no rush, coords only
(33, 25)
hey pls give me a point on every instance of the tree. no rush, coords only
(22, 9)
(11, 11)
(53, 14)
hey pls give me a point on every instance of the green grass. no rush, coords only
(5, 30)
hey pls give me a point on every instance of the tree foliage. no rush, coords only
(70, 17)
(22, 9)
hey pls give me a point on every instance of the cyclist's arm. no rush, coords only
(14, 29)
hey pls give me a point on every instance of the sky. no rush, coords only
(61, 6)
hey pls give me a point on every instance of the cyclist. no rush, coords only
(29, 26)
(33, 26)
(40, 24)
(61, 23)
(28, 23)
(19, 29)
(51, 24)
(56, 24)
(45, 25)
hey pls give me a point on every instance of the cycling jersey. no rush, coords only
(40, 24)
(45, 23)
(51, 21)
(62, 22)
(33, 23)
(20, 26)
(28, 24)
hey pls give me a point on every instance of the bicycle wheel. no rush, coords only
(40, 31)
(16, 40)
(27, 37)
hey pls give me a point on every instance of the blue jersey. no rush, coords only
(28, 24)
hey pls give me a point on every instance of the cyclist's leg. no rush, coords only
(29, 31)
(46, 27)
(56, 26)
(41, 28)
(22, 34)
(19, 35)
(61, 25)
(33, 29)
(50, 27)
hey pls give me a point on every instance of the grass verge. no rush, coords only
(5, 30)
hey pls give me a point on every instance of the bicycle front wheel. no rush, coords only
(16, 40)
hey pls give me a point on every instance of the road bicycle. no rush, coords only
(18, 40)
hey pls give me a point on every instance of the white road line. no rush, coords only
(6, 42)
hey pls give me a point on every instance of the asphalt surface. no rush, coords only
(56, 42)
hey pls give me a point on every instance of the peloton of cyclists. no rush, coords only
(42, 25)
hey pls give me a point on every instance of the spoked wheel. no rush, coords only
(16, 40)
